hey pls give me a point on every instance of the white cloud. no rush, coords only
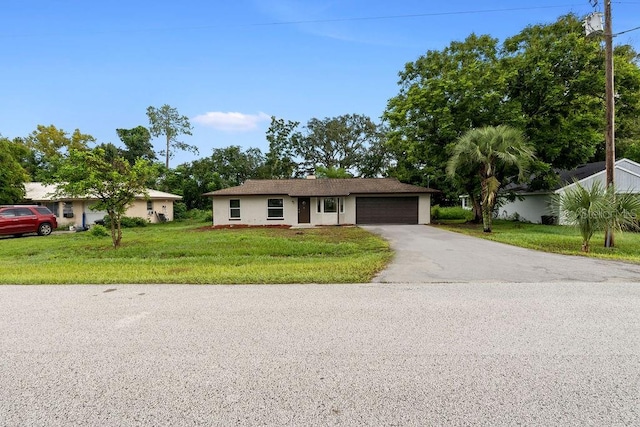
(231, 122)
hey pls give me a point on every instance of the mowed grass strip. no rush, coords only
(187, 253)
(554, 238)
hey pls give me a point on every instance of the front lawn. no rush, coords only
(553, 238)
(189, 253)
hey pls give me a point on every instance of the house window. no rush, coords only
(234, 209)
(275, 209)
(149, 205)
(53, 207)
(330, 205)
(67, 210)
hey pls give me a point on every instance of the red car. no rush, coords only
(22, 219)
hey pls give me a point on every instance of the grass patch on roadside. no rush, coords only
(553, 238)
(187, 253)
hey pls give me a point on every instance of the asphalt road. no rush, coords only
(373, 354)
(429, 254)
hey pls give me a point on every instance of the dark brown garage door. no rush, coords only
(386, 210)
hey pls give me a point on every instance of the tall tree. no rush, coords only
(492, 152)
(113, 182)
(548, 80)
(442, 95)
(627, 80)
(225, 167)
(332, 143)
(48, 145)
(556, 75)
(232, 166)
(282, 136)
(137, 142)
(12, 174)
(166, 121)
(336, 142)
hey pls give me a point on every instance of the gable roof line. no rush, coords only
(628, 160)
(630, 172)
(320, 187)
(47, 192)
(616, 166)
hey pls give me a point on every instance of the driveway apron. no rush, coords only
(426, 254)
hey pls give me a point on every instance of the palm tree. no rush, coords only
(597, 208)
(490, 151)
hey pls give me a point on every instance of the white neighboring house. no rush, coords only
(77, 211)
(310, 202)
(534, 205)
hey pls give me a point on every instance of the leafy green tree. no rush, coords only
(114, 183)
(337, 142)
(166, 121)
(111, 152)
(333, 143)
(377, 158)
(12, 174)
(282, 137)
(556, 75)
(335, 173)
(442, 95)
(493, 152)
(596, 208)
(225, 167)
(231, 166)
(137, 142)
(547, 80)
(627, 81)
(48, 145)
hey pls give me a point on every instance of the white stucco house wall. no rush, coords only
(76, 211)
(311, 202)
(533, 205)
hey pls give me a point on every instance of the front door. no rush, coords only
(304, 212)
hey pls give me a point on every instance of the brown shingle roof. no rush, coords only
(320, 187)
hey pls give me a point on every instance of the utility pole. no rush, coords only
(609, 109)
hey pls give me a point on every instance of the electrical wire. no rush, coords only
(626, 31)
(317, 21)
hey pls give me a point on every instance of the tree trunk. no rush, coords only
(477, 211)
(116, 230)
(167, 153)
(486, 218)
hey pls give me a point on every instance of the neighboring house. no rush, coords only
(534, 205)
(77, 210)
(311, 201)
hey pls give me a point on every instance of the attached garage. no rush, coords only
(387, 210)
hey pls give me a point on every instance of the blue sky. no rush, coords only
(229, 66)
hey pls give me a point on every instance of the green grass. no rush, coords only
(189, 253)
(553, 238)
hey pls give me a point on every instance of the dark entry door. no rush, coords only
(304, 212)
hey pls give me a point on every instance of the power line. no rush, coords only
(627, 31)
(415, 15)
(315, 21)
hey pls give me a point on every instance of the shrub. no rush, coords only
(200, 215)
(126, 222)
(179, 210)
(451, 213)
(99, 231)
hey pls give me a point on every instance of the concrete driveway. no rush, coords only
(429, 254)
